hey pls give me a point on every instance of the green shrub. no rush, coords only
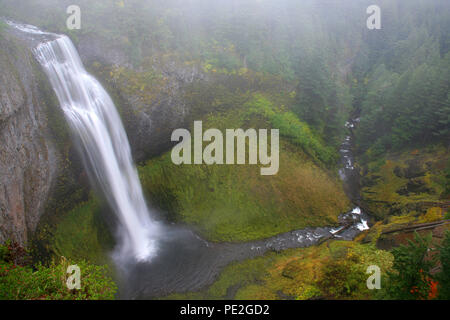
(444, 276)
(3, 251)
(292, 128)
(411, 277)
(447, 215)
(343, 277)
(25, 282)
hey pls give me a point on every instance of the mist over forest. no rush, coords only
(363, 116)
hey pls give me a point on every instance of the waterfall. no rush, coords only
(95, 123)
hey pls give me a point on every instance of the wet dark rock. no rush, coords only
(231, 291)
(415, 169)
(28, 162)
(284, 296)
(415, 185)
(403, 191)
(92, 47)
(399, 172)
(369, 181)
(149, 125)
(386, 243)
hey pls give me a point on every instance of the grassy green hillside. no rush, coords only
(235, 202)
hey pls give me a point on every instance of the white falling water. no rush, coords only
(95, 122)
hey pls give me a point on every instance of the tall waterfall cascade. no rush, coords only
(97, 127)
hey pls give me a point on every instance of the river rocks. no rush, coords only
(27, 156)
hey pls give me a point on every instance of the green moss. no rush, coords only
(292, 128)
(79, 233)
(235, 202)
(387, 189)
(83, 235)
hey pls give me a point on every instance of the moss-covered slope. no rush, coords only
(237, 203)
(407, 182)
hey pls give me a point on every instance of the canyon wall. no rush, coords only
(28, 162)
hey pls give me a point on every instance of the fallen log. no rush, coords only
(416, 227)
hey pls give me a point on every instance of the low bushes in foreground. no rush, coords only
(20, 280)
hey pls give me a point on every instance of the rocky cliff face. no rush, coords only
(150, 99)
(27, 155)
(34, 167)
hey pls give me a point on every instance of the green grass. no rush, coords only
(21, 281)
(236, 203)
(292, 128)
(79, 233)
(82, 234)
